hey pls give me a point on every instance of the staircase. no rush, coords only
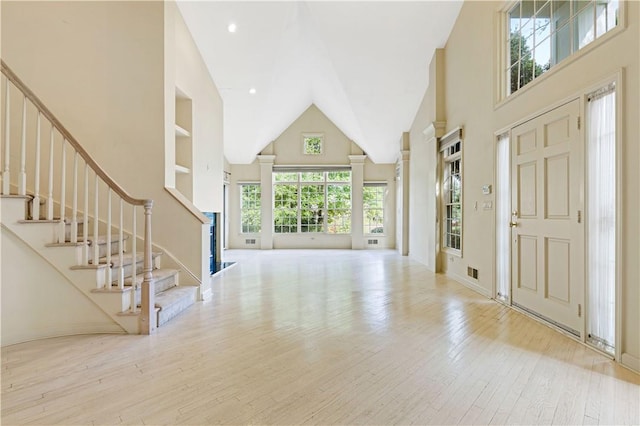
(82, 223)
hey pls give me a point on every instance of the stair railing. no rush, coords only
(93, 179)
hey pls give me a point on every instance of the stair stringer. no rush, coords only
(87, 279)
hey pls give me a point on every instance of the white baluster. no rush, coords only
(22, 176)
(63, 191)
(74, 200)
(121, 248)
(85, 217)
(50, 191)
(6, 174)
(134, 282)
(109, 266)
(35, 203)
(96, 251)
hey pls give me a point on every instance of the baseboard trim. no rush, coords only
(631, 362)
(469, 284)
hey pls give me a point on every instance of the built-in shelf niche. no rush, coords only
(183, 144)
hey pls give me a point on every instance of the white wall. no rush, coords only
(470, 85)
(186, 70)
(107, 70)
(427, 126)
(38, 301)
(288, 150)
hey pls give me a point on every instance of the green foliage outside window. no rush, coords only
(339, 209)
(373, 209)
(250, 208)
(285, 208)
(311, 208)
(313, 145)
(542, 33)
(312, 202)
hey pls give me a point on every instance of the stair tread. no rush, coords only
(27, 197)
(102, 239)
(55, 219)
(126, 258)
(174, 294)
(157, 274)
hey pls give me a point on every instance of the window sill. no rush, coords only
(453, 252)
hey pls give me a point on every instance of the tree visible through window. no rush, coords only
(542, 33)
(451, 190)
(250, 208)
(373, 208)
(318, 201)
(452, 186)
(312, 144)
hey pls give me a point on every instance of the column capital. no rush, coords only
(266, 159)
(357, 159)
(404, 155)
(434, 130)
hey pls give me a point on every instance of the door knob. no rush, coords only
(513, 224)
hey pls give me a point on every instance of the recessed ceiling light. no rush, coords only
(252, 91)
(232, 27)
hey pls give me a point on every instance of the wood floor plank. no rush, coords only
(323, 337)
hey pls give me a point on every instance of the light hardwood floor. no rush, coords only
(323, 337)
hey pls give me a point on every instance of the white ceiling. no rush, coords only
(363, 63)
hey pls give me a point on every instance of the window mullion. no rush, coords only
(299, 209)
(326, 203)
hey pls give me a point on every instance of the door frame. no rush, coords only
(618, 77)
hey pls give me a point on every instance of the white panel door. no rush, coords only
(547, 232)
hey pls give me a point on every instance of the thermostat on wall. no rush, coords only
(486, 189)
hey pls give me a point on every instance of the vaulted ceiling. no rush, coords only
(364, 64)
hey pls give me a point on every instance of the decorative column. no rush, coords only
(403, 202)
(266, 201)
(432, 179)
(357, 218)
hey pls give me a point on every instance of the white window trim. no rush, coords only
(300, 183)
(618, 79)
(445, 142)
(313, 135)
(240, 185)
(501, 58)
(384, 203)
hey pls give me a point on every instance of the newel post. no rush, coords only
(148, 315)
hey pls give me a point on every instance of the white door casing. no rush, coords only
(547, 204)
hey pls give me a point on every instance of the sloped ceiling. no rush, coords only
(364, 64)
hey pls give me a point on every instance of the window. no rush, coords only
(285, 208)
(542, 33)
(339, 202)
(503, 216)
(250, 208)
(373, 207)
(312, 144)
(312, 201)
(451, 152)
(311, 208)
(601, 218)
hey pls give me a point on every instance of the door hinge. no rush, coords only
(578, 123)
(579, 310)
(579, 216)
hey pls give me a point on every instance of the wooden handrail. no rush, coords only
(11, 76)
(147, 320)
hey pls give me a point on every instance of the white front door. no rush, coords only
(547, 231)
